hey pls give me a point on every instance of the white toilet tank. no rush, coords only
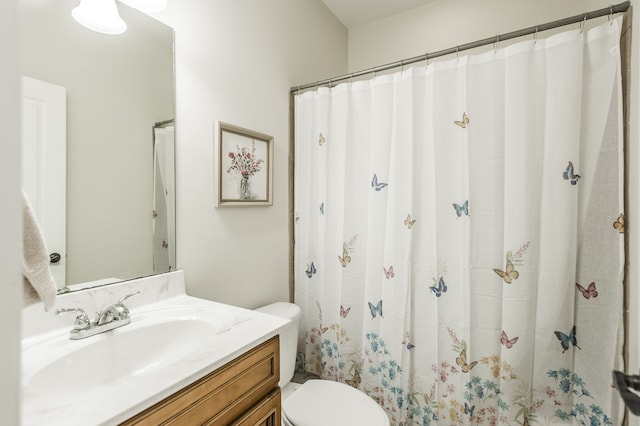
(288, 337)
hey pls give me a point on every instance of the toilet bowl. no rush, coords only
(317, 402)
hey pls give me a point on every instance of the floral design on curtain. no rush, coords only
(459, 235)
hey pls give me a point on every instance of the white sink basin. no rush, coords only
(107, 378)
(124, 354)
(152, 342)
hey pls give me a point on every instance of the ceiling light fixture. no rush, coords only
(102, 15)
(99, 15)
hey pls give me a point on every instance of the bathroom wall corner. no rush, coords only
(10, 258)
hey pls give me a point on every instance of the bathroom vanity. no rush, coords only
(181, 361)
(244, 392)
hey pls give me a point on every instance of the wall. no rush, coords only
(10, 260)
(235, 62)
(117, 88)
(445, 24)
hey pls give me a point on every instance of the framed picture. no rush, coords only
(244, 160)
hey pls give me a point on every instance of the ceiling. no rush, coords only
(353, 13)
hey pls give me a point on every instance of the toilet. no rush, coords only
(317, 402)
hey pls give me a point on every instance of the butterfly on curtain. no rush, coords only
(440, 288)
(469, 410)
(377, 185)
(462, 209)
(565, 340)
(375, 309)
(462, 362)
(321, 139)
(504, 339)
(311, 270)
(355, 380)
(344, 311)
(407, 341)
(464, 122)
(408, 222)
(322, 208)
(345, 258)
(588, 292)
(569, 175)
(388, 273)
(509, 274)
(619, 223)
(320, 330)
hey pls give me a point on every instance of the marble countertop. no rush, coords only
(125, 398)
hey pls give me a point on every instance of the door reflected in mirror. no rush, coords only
(120, 201)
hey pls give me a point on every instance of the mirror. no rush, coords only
(120, 201)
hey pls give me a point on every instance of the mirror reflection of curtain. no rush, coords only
(164, 198)
(459, 238)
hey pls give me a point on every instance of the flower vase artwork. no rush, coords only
(246, 164)
(245, 188)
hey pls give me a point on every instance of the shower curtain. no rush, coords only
(459, 234)
(163, 199)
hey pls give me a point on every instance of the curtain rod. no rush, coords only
(620, 7)
(163, 123)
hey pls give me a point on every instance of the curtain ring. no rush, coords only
(611, 15)
(584, 20)
(535, 35)
(402, 66)
(457, 53)
(495, 45)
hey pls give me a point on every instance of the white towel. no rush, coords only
(39, 284)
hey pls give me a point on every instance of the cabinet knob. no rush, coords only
(54, 257)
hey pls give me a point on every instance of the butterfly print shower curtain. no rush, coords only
(506, 308)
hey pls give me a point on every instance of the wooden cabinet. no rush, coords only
(266, 413)
(243, 392)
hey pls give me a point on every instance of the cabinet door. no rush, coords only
(265, 413)
(226, 394)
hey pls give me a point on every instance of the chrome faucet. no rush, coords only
(114, 316)
(116, 312)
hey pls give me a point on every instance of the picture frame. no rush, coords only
(244, 162)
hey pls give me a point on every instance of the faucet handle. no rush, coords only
(119, 310)
(123, 298)
(82, 320)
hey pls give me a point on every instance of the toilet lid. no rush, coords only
(323, 402)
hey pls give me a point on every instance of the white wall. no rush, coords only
(235, 62)
(448, 23)
(9, 217)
